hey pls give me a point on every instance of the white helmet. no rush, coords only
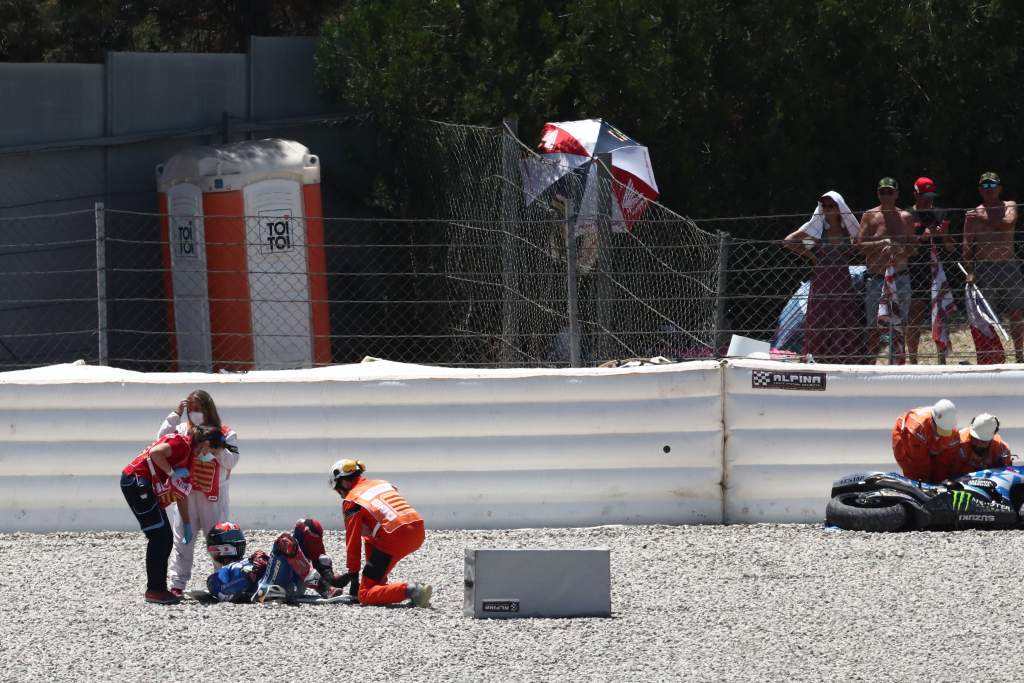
(343, 469)
(984, 427)
(944, 415)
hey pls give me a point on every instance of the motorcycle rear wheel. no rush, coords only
(844, 512)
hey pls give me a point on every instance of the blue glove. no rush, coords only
(187, 533)
(181, 472)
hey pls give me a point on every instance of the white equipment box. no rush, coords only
(507, 584)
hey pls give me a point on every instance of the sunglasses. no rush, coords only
(829, 204)
(886, 190)
(989, 185)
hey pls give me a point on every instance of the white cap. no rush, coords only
(944, 415)
(984, 427)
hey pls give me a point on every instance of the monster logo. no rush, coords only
(961, 499)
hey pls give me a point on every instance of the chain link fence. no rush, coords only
(48, 308)
(495, 278)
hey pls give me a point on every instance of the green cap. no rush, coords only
(888, 182)
(990, 178)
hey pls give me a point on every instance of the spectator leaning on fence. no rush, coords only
(886, 232)
(990, 259)
(931, 227)
(832, 328)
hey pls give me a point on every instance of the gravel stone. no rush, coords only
(694, 603)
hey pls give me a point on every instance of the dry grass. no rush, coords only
(962, 353)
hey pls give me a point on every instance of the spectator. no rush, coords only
(931, 227)
(886, 235)
(990, 259)
(832, 327)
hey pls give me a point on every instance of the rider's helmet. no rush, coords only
(225, 543)
(984, 427)
(344, 469)
(944, 416)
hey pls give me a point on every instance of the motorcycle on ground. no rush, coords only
(888, 501)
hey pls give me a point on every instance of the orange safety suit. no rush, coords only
(963, 459)
(376, 513)
(918, 447)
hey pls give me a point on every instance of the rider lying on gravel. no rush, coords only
(285, 573)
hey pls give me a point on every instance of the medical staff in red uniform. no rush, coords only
(156, 478)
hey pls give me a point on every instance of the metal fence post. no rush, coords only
(509, 322)
(101, 283)
(724, 245)
(572, 285)
(604, 258)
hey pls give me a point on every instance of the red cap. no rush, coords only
(923, 185)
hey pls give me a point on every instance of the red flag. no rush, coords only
(985, 327)
(942, 304)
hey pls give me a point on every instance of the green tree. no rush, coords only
(748, 106)
(83, 30)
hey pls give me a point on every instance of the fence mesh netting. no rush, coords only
(491, 278)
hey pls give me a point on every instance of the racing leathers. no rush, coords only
(208, 503)
(237, 582)
(288, 566)
(918, 447)
(389, 528)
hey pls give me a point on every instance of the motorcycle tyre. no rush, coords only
(845, 516)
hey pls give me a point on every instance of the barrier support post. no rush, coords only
(101, 284)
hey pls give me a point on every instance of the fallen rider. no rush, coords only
(283, 574)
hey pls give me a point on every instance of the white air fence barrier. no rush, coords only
(792, 429)
(703, 442)
(468, 448)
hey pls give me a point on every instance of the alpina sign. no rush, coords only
(787, 379)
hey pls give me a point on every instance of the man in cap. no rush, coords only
(921, 439)
(980, 448)
(931, 228)
(886, 233)
(989, 256)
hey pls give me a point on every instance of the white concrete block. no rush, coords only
(513, 583)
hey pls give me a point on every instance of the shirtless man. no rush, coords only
(989, 256)
(885, 230)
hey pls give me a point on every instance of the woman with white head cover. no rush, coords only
(832, 328)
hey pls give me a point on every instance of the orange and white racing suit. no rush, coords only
(389, 528)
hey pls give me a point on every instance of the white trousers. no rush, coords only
(205, 514)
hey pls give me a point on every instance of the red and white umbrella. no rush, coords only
(569, 145)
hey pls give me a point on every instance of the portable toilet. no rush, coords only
(243, 251)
